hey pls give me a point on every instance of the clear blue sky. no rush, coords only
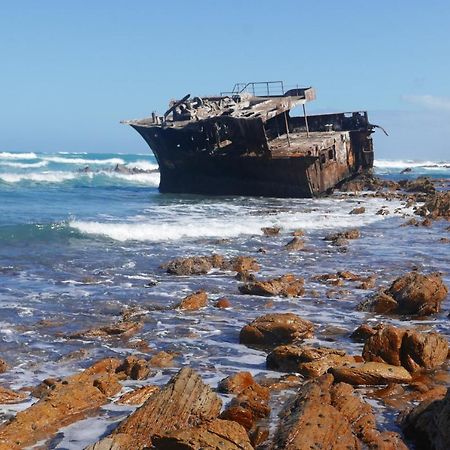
(71, 70)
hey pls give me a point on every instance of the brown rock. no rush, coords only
(223, 303)
(275, 329)
(195, 265)
(299, 233)
(349, 234)
(306, 360)
(194, 301)
(235, 384)
(108, 384)
(248, 407)
(295, 244)
(271, 231)
(362, 333)
(428, 424)
(437, 206)
(418, 294)
(135, 368)
(358, 210)
(162, 359)
(385, 345)
(69, 400)
(218, 434)
(3, 366)
(184, 402)
(121, 329)
(8, 396)
(285, 286)
(423, 350)
(412, 293)
(371, 373)
(243, 264)
(138, 396)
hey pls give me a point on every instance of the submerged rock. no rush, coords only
(276, 329)
(271, 231)
(184, 402)
(121, 329)
(341, 238)
(358, 210)
(285, 286)
(200, 265)
(295, 244)
(413, 293)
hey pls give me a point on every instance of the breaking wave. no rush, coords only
(142, 165)
(403, 164)
(24, 165)
(85, 161)
(9, 155)
(38, 177)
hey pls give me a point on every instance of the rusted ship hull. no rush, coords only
(265, 175)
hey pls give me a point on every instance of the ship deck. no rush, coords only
(300, 144)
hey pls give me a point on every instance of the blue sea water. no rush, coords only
(81, 239)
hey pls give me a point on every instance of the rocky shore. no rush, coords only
(311, 396)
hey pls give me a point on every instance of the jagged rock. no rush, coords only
(218, 434)
(241, 264)
(248, 407)
(162, 359)
(385, 345)
(329, 417)
(235, 384)
(285, 286)
(295, 244)
(3, 366)
(223, 303)
(412, 293)
(358, 210)
(67, 401)
(184, 402)
(437, 206)
(8, 396)
(368, 182)
(371, 373)
(419, 184)
(194, 301)
(362, 333)
(138, 396)
(271, 231)
(428, 424)
(121, 329)
(276, 329)
(306, 360)
(134, 368)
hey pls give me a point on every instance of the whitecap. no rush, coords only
(38, 177)
(403, 164)
(85, 161)
(150, 179)
(24, 165)
(142, 165)
(9, 155)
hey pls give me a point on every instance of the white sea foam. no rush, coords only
(403, 164)
(38, 177)
(142, 165)
(9, 155)
(223, 223)
(85, 161)
(20, 165)
(150, 179)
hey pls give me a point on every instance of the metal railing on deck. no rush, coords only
(258, 88)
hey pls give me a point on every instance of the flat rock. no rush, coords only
(138, 396)
(7, 396)
(285, 286)
(120, 329)
(371, 373)
(276, 329)
(218, 434)
(306, 360)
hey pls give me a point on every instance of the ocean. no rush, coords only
(81, 241)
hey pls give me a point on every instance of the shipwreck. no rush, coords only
(248, 142)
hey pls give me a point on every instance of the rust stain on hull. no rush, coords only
(240, 143)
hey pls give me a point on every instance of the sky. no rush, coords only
(71, 70)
